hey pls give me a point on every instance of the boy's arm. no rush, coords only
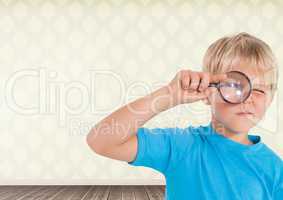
(115, 136)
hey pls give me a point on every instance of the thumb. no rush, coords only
(207, 93)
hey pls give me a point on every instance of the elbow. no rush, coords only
(90, 140)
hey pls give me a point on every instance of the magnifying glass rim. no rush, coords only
(249, 82)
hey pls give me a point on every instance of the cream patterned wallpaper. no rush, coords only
(67, 64)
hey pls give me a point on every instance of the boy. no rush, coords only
(219, 160)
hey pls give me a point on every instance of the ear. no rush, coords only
(269, 100)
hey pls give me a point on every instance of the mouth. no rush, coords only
(244, 113)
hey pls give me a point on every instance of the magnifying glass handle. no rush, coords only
(213, 84)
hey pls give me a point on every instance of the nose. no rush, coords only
(249, 99)
(246, 105)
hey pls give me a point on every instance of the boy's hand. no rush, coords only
(190, 86)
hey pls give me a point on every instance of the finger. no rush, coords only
(185, 81)
(214, 78)
(195, 79)
(204, 82)
(197, 95)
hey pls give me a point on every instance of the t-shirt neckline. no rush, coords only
(255, 139)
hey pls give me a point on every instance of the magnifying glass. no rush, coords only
(235, 89)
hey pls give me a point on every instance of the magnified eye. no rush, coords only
(231, 85)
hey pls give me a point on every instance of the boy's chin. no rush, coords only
(241, 126)
(238, 124)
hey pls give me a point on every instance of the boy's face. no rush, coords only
(257, 103)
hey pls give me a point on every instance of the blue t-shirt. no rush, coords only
(198, 163)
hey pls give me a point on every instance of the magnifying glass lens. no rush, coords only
(232, 92)
(236, 88)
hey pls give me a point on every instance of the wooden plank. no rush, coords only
(51, 194)
(115, 193)
(161, 190)
(80, 191)
(124, 192)
(66, 194)
(128, 192)
(140, 193)
(153, 193)
(43, 194)
(7, 189)
(10, 190)
(15, 193)
(102, 192)
(91, 194)
(29, 195)
(158, 190)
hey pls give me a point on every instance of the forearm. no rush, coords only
(119, 126)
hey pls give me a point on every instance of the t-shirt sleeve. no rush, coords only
(157, 147)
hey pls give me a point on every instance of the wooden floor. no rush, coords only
(82, 192)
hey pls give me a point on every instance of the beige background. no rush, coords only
(67, 64)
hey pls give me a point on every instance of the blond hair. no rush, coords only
(223, 51)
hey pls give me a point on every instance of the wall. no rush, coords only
(67, 64)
